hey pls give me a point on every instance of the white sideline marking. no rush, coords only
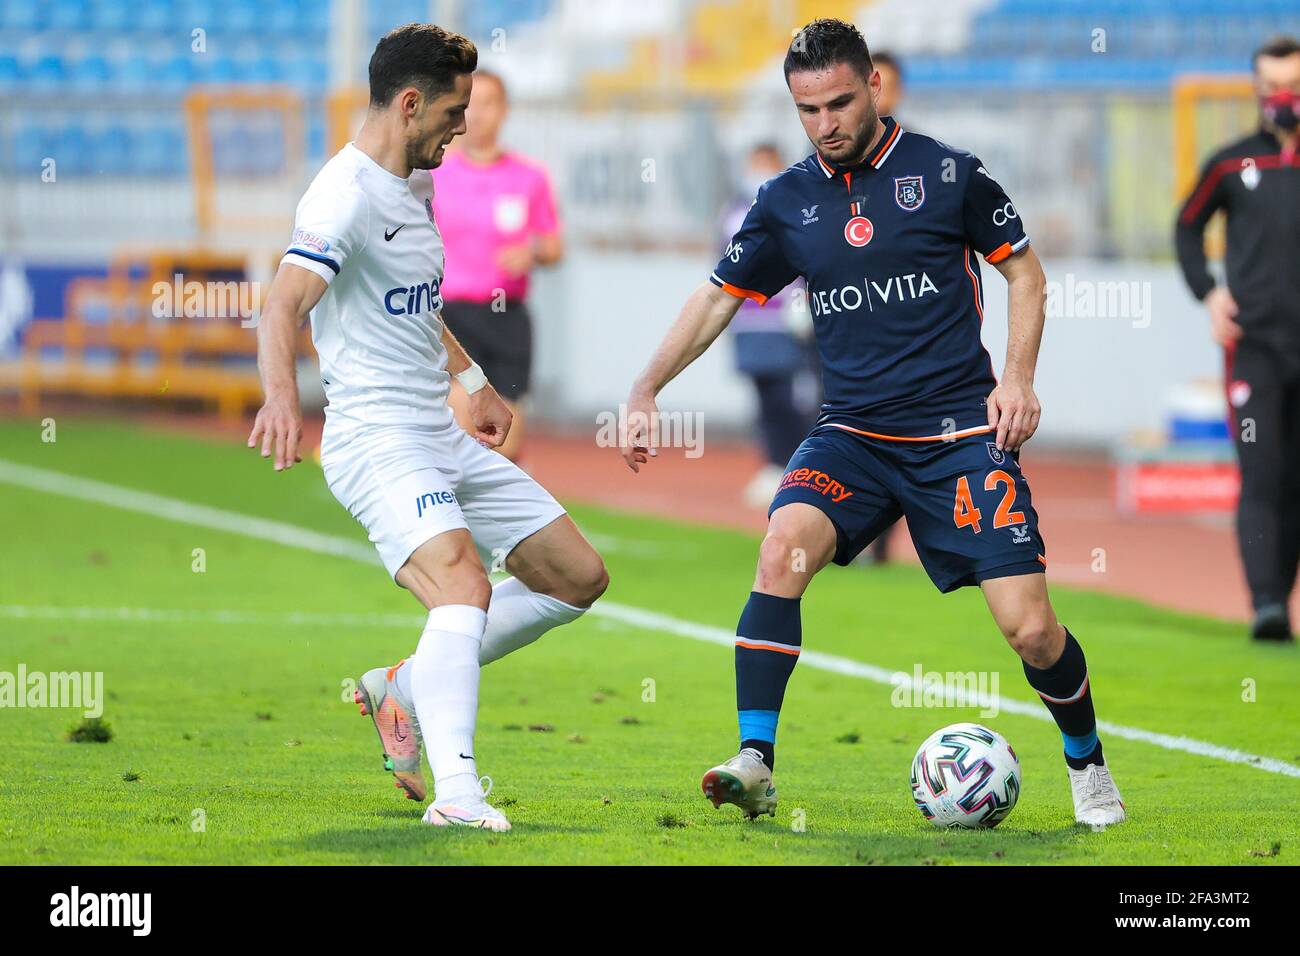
(159, 506)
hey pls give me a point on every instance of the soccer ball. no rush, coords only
(965, 775)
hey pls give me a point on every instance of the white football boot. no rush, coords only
(1096, 798)
(471, 811)
(399, 732)
(743, 780)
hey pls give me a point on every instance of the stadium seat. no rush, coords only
(150, 16)
(110, 17)
(47, 74)
(110, 149)
(90, 74)
(10, 73)
(23, 17)
(68, 15)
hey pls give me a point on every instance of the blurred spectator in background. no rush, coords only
(498, 219)
(1256, 318)
(772, 350)
(891, 82)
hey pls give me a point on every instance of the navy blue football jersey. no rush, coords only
(888, 250)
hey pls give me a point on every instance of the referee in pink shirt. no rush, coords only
(498, 221)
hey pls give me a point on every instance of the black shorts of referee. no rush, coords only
(501, 342)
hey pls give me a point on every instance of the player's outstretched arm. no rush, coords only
(278, 426)
(1013, 406)
(706, 313)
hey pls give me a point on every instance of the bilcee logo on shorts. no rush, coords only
(431, 499)
(74, 908)
(412, 300)
(816, 480)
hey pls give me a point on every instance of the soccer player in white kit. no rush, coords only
(366, 263)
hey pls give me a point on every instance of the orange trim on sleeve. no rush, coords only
(998, 254)
(740, 293)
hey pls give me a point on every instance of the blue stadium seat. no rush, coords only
(90, 74)
(23, 17)
(242, 16)
(150, 16)
(110, 150)
(46, 74)
(177, 74)
(110, 16)
(72, 150)
(69, 15)
(133, 75)
(10, 73)
(31, 145)
(160, 151)
(263, 71)
(309, 75)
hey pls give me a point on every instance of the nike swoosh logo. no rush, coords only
(389, 235)
(396, 731)
(466, 756)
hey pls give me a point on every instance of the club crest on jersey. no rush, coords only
(999, 457)
(909, 192)
(1249, 173)
(858, 231)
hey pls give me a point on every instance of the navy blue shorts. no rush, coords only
(967, 504)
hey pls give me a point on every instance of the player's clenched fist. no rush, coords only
(278, 427)
(637, 432)
(1014, 412)
(490, 416)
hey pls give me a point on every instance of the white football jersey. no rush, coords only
(378, 327)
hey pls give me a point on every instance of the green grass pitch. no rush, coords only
(235, 741)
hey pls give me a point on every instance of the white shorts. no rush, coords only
(408, 485)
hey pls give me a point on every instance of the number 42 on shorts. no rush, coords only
(966, 515)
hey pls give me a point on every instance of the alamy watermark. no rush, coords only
(182, 299)
(923, 688)
(1093, 299)
(665, 429)
(82, 690)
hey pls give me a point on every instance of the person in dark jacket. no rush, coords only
(1255, 316)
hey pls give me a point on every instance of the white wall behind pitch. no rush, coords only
(1099, 377)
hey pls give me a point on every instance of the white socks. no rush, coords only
(518, 616)
(441, 677)
(444, 689)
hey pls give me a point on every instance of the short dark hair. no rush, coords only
(1277, 46)
(421, 55)
(825, 42)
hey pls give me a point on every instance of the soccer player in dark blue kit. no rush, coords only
(884, 226)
